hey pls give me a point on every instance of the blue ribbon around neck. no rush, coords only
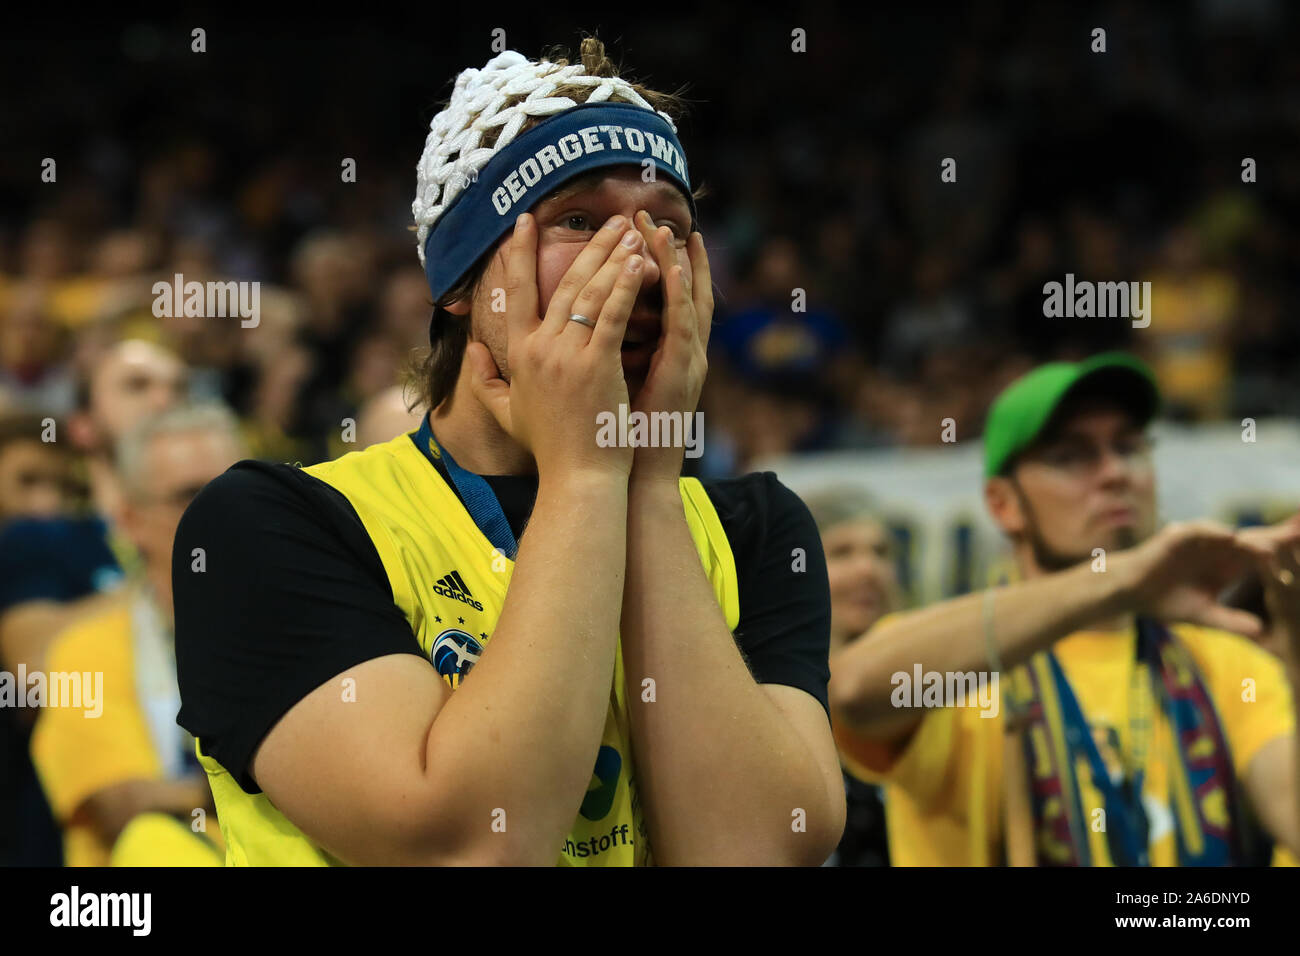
(479, 499)
(1126, 821)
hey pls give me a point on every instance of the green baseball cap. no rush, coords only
(1024, 408)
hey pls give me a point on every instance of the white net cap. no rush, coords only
(452, 155)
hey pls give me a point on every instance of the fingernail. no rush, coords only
(634, 264)
(632, 238)
(617, 222)
(519, 220)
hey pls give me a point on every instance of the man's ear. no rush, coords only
(1004, 505)
(459, 307)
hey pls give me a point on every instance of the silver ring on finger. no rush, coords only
(583, 320)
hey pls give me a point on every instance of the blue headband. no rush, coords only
(561, 147)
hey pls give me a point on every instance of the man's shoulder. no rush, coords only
(259, 516)
(753, 494)
(251, 487)
(370, 463)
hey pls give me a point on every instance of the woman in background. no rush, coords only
(864, 588)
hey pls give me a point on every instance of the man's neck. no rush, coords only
(478, 444)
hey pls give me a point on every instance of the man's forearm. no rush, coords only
(950, 636)
(523, 732)
(113, 807)
(719, 769)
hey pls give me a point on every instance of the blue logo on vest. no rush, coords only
(454, 653)
(597, 803)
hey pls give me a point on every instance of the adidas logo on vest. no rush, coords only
(451, 585)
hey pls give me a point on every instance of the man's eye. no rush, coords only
(1134, 445)
(1068, 455)
(577, 218)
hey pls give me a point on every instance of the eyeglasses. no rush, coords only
(1082, 457)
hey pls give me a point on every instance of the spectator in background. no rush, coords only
(768, 400)
(404, 309)
(99, 774)
(54, 570)
(1193, 305)
(864, 588)
(385, 416)
(33, 484)
(133, 380)
(264, 384)
(934, 315)
(956, 130)
(1121, 690)
(34, 474)
(33, 372)
(48, 259)
(779, 385)
(333, 272)
(375, 367)
(1014, 288)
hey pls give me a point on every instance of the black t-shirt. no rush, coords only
(293, 593)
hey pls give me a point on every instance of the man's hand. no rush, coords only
(679, 365)
(562, 372)
(1178, 574)
(1276, 550)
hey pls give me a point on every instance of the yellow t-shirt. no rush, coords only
(77, 753)
(943, 788)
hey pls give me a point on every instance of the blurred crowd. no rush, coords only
(861, 299)
(918, 299)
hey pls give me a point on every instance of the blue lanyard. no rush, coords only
(480, 501)
(1125, 816)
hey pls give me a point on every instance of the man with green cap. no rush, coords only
(1131, 722)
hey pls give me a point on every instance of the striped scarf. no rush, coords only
(1058, 747)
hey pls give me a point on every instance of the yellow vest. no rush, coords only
(422, 533)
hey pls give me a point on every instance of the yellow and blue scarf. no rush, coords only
(1211, 826)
